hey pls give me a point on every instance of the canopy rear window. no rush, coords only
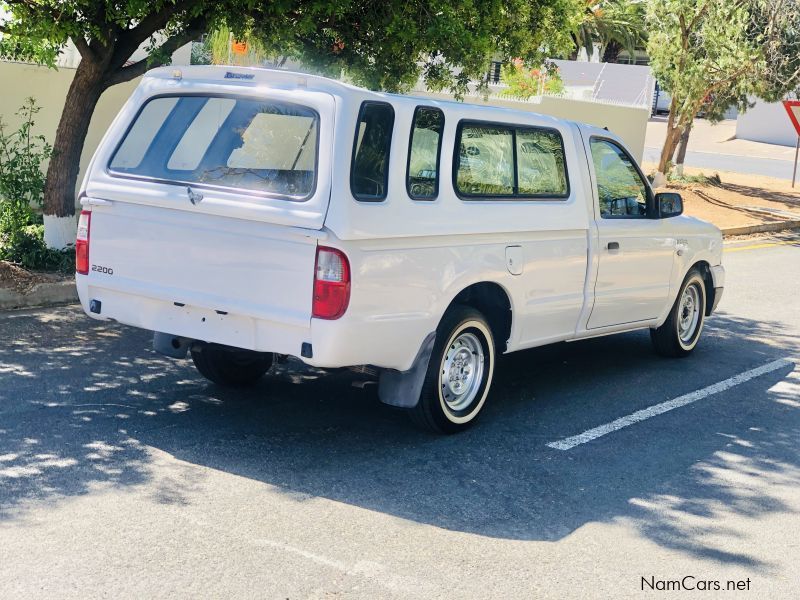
(256, 145)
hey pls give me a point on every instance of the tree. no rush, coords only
(713, 108)
(221, 47)
(384, 45)
(106, 34)
(712, 54)
(524, 83)
(615, 25)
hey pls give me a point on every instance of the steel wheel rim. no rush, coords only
(689, 313)
(462, 371)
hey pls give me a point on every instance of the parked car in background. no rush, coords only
(662, 101)
(247, 213)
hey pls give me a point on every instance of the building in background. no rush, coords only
(766, 122)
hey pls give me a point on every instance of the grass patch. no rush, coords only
(702, 179)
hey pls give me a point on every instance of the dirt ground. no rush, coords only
(22, 280)
(17, 278)
(738, 200)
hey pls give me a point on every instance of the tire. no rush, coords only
(680, 333)
(228, 366)
(459, 373)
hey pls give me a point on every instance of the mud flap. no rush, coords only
(402, 388)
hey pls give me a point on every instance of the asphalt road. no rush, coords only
(125, 475)
(771, 167)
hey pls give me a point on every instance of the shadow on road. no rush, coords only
(84, 406)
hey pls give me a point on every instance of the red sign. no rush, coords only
(793, 110)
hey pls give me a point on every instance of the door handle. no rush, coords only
(613, 245)
(88, 201)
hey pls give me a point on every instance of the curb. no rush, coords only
(763, 228)
(42, 294)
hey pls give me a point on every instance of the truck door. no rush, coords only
(636, 252)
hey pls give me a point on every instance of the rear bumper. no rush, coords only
(194, 322)
(390, 343)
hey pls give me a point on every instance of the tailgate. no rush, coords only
(236, 282)
(207, 205)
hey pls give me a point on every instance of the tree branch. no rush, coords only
(83, 47)
(131, 39)
(36, 7)
(167, 48)
(696, 17)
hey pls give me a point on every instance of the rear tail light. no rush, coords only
(82, 243)
(331, 284)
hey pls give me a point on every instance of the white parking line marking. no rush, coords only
(657, 409)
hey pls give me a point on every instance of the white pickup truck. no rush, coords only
(247, 213)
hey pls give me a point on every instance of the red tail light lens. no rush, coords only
(331, 284)
(82, 243)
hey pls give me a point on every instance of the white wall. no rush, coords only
(49, 87)
(766, 122)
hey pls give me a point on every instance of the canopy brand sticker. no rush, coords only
(232, 75)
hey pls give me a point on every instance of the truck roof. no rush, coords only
(284, 79)
(231, 74)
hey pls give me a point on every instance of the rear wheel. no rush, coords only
(459, 373)
(230, 366)
(680, 333)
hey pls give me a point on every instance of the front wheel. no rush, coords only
(459, 373)
(680, 333)
(230, 366)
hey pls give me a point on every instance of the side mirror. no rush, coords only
(669, 204)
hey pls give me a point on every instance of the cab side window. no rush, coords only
(369, 169)
(485, 161)
(509, 162)
(620, 189)
(425, 146)
(540, 163)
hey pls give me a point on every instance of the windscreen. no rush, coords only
(257, 145)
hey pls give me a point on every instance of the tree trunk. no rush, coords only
(671, 141)
(611, 52)
(62, 172)
(681, 154)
